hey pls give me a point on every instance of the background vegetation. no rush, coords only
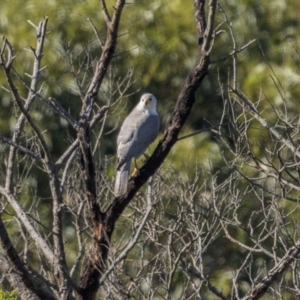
(157, 49)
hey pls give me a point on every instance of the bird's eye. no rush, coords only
(150, 99)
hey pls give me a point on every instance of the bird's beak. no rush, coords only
(146, 101)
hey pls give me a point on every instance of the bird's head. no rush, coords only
(147, 102)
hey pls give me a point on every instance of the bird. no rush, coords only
(138, 131)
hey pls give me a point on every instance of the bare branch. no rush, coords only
(62, 112)
(259, 289)
(211, 129)
(265, 124)
(40, 242)
(208, 34)
(180, 114)
(192, 272)
(132, 241)
(199, 6)
(32, 154)
(74, 146)
(95, 31)
(19, 276)
(41, 33)
(105, 13)
(225, 57)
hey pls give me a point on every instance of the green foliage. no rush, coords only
(163, 39)
(159, 42)
(4, 295)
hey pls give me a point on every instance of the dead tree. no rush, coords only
(205, 221)
(22, 277)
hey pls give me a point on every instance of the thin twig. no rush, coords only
(202, 130)
(95, 31)
(132, 241)
(265, 124)
(105, 12)
(225, 57)
(34, 155)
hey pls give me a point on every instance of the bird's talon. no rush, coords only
(135, 172)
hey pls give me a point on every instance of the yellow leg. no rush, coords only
(136, 169)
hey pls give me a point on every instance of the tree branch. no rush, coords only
(199, 7)
(193, 272)
(19, 277)
(264, 123)
(41, 34)
(180, 114)
(260, 288)
(22, 216)
(74, 146)
(105, 12)
(89, 280)
(132, 241)
(32, 154)
(225, 57)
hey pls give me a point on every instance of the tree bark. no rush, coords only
(261, 288)
(104, 223)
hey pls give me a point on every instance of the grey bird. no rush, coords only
(138, 131)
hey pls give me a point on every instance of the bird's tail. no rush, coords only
(122, 179)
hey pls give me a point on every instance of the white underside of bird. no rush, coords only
(138, 131)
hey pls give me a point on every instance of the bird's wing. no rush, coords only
(148, 131)
(137, 133)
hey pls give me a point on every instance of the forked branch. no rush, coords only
(259, 289)
(180, 114)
